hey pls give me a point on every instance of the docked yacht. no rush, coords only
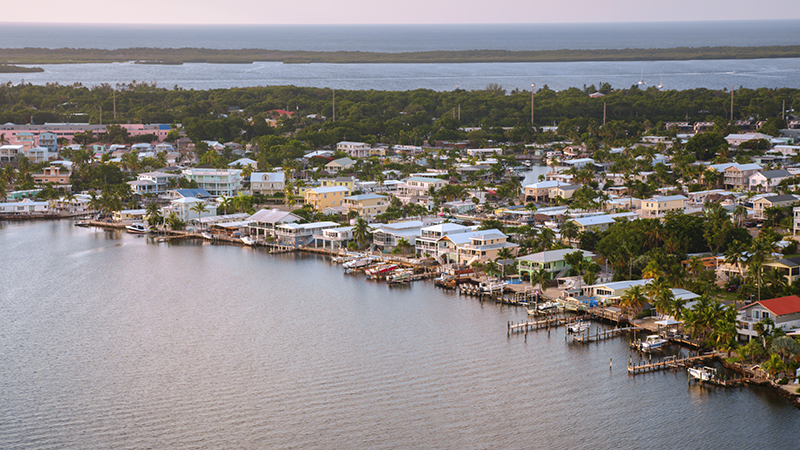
(136, 228)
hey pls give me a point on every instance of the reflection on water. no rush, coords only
(146, 344)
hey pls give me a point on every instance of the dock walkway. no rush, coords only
(587, 336)
(670, 362)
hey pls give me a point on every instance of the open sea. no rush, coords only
(771, 73)
(111, 340)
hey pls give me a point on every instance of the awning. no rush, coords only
(667, 322)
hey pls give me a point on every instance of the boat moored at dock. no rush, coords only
(136, 228)
(652, 343)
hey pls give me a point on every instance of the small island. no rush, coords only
(11, 68)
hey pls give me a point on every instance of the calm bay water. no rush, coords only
(773, 73)
(111, 340)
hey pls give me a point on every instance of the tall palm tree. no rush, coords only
(633, 299)
(735, 256)
(569, 231)
(361, 232)
(199, 208)
(540, 277)
(153, 213)
(225, 203)
(760, 252)
(504, 254)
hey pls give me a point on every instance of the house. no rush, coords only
(129, 215)
(367, 204)
(540, 192)
(218, 182)
(26, 206)
(348, 182)
(151, 183)
(660, 205)
(386, 236)
(610, 293)
(484, 152)
(336, 237)
(337, 165)
(38, 154)
(351, 148)
(759, 205)
(789, 267)
(8, 153)
(563, 192)
(416, 189)
(241, 163)
(767, 180)
(187, 193)
(737, 176)
(267, 183)
(325, 197)
(295, 234)
(552, 261)
(784, 313)
(182, 207)
(480, 246)
(602, 222)
(429, 242)
(263, 222)
(52, 174)
(736, 140)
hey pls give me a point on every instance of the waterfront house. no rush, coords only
(218, 182)
(296, 234)
(480, 246)
(267, 183)
(610, 293)
(430, 244)
(386, 236)
(552, 261)
(657, 206)
(183, 208)
(337, 165)
(336, 238)
(129, 215)
(784, 313)
(26, 206)
(264, 222)
(325, 197)
(367, 205)
(540, 192)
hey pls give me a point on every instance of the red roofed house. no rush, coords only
(784, 313)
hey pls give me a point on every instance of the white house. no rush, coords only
(784, 313)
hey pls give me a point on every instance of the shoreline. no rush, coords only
(179, 56)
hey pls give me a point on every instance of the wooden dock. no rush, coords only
(587, 336)
(531, 325)
(671, 362)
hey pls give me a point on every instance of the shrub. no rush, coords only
(783, 381)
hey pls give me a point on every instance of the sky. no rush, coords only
(392, 11)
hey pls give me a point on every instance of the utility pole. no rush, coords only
(604, 113)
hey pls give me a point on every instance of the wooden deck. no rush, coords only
(587, 336)
(531, 325)
(670, 363)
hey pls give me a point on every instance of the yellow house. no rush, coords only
(326, 197)
(658, 206)
(348, 182)
(367, 204)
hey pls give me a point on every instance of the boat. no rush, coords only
(248, 240)
(660, 84)
(399, 276)
(641, 80)
(547, 307)
(136, 228)
(357, 263)
(702, 373)
(652, 342)
(578, 327)
(493, 286)
(380, 270)
(207, 235)
(82, 224)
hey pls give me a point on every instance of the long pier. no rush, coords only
(587, 336)
(531, 325)
(670, 362)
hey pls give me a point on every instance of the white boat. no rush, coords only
(399, 276)
(207, 235)
(578, 327)
(248, 240)
(547, 307)
(641, 80)
(136, 228)
(493, 286)
(652, 342)
(357, 263)
(702, 373)
(381, 269)
(660, 84)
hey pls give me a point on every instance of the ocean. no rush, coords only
(769, 73)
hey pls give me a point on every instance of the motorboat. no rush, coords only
(136, 228)
(207, 235)
(399, 276)
(380, 270)
(652, 342)
(357, 263)
(547, 307)
(248, 240)
(702, 373)
(578, 327)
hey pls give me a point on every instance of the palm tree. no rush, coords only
(760, 252)
(734, 256)
(361, 232)
(661, 296)
(547, 238)
(225, 203)
(153, 213)
(504, 254)
(540, 277)
(402, 246)
(633, 299)
(199, 208)
(569, 231)
(492, 268)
